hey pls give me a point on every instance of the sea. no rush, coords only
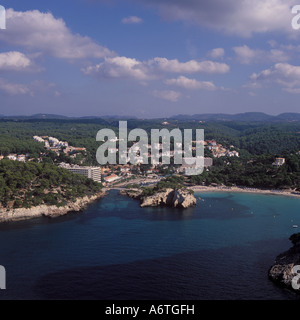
(220, 249)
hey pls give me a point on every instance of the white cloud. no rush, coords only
(292, 90)
(39, 31)
(118, 67)
(191, 66)
(13, 88)
(246, 55)
(216, 53)
(193, 84)
(283, 74)
(132, 20)
(233, 17)
(169, 95)
(276, 55)
(123, 67)
(32, 88)
(14, 61)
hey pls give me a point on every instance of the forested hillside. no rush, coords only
(31, 184)
(253, 137)
(255, 173)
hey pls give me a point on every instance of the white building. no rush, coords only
(89, 172)
(21, 157)
(112, 178)
(38, 139)
(53, 141)
(12, 157)
(279, 162)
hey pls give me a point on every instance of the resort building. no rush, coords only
(111, 178)
(89, 172)
(38, 139)
(279, 162)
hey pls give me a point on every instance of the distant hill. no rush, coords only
(61, 117)
(289, 117)
(247, 116)
(35, 116)
(116, 117)
(243, 117)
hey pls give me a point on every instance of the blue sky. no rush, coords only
(149, 58)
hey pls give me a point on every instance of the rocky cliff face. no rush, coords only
(47, 211)
(282, 270)
(183, 199)
(176, 198)
(171, 198)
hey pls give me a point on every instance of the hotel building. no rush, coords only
(89, 172)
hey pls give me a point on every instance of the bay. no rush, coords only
(220, 249)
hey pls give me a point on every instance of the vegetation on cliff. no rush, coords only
(23, 185)
(173, 182)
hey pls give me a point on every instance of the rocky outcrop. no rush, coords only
(282, 272)
(176, 198)
(183, 199)
(132, 193)
(163, 198)
(46, 210)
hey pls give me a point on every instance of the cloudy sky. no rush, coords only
(149, 58)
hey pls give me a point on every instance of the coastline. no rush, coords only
(287, 193)
(51, 211)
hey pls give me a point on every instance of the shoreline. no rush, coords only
(51, 211)
(279, 192)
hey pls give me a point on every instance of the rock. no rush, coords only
(183, 199)
(176, 198)
(46, 210)
(281, 272)
(132, 193)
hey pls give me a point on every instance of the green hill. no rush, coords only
(23, 185)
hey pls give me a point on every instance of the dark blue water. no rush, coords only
(221, 249)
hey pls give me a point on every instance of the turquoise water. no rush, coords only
(221, 249)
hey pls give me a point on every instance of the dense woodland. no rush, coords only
(31, 184)
(251, 138)
(255, 173)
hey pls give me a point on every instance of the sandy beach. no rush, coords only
(289, 193)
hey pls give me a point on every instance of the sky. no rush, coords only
(149, 58)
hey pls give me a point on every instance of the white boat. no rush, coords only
(295, 226)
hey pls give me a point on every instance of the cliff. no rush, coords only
(175, 198)
(47, 210)
(282, 272)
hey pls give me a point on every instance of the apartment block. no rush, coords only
(89, 172)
